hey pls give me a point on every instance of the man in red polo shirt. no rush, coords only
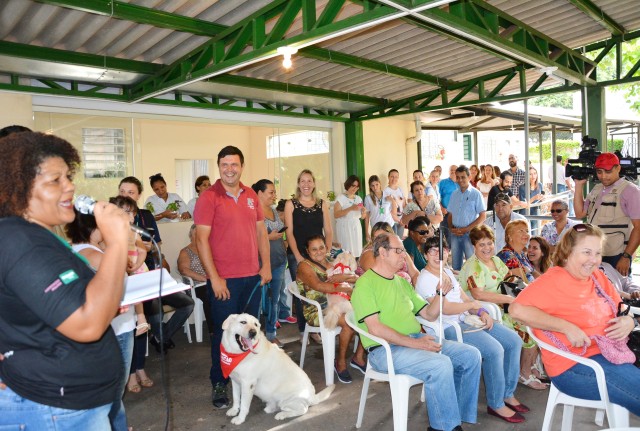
(230, 235)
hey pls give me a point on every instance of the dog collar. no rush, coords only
(229, 361)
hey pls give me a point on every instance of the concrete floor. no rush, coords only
(189, 392)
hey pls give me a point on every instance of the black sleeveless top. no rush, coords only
(307, 222)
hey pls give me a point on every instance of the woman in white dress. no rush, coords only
(348, 210)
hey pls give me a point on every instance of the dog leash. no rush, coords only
(251, 296)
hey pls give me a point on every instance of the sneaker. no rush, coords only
(289, 319)
(278, 325)
(361, 368)
(219, 397)
(343, 375)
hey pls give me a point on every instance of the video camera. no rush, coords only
(583, 167)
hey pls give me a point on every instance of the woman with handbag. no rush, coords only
(574, 307)
(498, 345)
(481, 276)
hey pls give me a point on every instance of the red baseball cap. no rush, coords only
(607, 161)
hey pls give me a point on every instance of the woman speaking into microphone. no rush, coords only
(61, 362)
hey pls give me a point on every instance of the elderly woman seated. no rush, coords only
(561, 223)
(314, 283)
(189, 265)
(573, 306)
(481, 276)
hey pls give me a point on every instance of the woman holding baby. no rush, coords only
(314, 283)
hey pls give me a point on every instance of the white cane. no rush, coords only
(441, 334)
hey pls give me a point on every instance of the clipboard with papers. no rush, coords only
(144, 286)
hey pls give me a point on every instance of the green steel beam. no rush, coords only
(56, 87)
(448, 98)
(490, 27)
(236, 47)
(614, 39)
(141, 15)
(370, 65)
(293, 88)
(76, 58)
(597, 14)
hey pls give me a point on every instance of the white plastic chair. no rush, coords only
(399, 383)
(328, 336)
(197, 316)
(617, 416)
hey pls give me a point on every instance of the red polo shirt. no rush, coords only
(233, 239)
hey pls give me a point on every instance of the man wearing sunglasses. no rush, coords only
(502, 214)
(614, 206)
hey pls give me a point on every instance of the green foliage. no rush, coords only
(568, 149)
(607, 71)
(560, 100)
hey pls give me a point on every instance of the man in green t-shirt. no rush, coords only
(386, 305)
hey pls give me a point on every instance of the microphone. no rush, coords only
(85, 204)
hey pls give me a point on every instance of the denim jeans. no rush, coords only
(273, 300)
(139, 352)
(117, 415)
(623, 382)
(293, 270)
(461, 249)
(451, 379)
(500, 350)
(18, 413)
(183, 305)
(240, 290)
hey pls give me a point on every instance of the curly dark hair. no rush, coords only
(20, 158)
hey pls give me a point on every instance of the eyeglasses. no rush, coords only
(556, 211)
(422, 232)
(398, 250)
(581, 227)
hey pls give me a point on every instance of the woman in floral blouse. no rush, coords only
(554, 230)
(480, 276)
(514, 253)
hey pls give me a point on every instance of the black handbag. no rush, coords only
(511, 286)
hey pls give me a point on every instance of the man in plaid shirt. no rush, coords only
(519, 176)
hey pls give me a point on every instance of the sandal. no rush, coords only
(142, 328)
(134, 387)
(316, 337)
(541, 375)
(532, 382)
(146, 382)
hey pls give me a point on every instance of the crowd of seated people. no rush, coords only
(302, 236)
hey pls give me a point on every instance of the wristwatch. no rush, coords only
(627, 255)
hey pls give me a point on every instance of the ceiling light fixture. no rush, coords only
(287, 52)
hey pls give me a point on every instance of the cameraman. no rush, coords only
(614, 206)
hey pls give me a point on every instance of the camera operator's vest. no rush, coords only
(609, 217)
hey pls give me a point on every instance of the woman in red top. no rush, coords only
(569, 305)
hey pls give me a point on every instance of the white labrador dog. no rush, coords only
(266, 371)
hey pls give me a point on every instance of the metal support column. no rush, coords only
(526, 156)
(354, 143)
(540, 173)
(475, 149)
(596, 115)
(554, 178)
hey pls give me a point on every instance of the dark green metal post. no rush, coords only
(355, 153)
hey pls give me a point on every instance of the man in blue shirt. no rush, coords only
(447, 187)
(466, 210)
